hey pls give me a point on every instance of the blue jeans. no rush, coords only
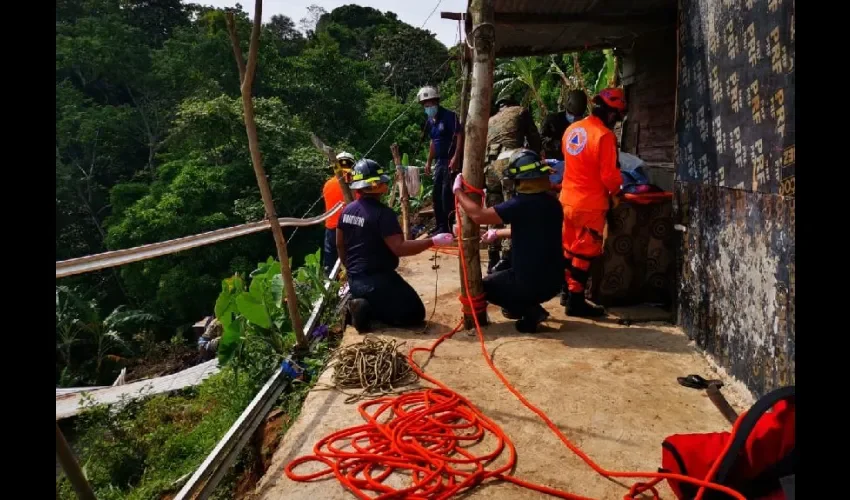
(329, 253)
(444, 199)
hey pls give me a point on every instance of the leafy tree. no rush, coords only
(311, 20)
(150, 143)
(521, 78)
(208, 183)
(283, 35)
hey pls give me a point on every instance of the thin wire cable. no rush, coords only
(321, 196)
(403, 111)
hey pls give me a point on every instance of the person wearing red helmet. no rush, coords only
(590, 186)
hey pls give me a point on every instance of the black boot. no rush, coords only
(501, 266)
(565, 296)
(492, 259)
(578, 307)
(509, 315)
(531, 321)
(361, 315)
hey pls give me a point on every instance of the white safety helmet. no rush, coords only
(427, 93)
(346, 160)
(345, 156)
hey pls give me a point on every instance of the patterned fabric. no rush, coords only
(638, 261)
(498, 191)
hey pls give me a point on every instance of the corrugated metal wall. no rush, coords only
(735, 167)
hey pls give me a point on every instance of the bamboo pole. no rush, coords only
(72, 467)
(475, 129)
(337, 170)
(405, 196)
(246, 77)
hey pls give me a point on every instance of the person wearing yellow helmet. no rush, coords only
(536, 273)
(332, 194)
(370, 242)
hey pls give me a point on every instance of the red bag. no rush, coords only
(762, 453)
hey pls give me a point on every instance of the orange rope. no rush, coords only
(426, 435)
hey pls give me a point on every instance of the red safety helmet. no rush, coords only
(614, 97)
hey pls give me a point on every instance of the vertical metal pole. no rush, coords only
(72, 468)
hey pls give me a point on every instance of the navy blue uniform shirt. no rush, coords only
(442, 129)
(536, 251)
(364, 224)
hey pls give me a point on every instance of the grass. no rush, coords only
(139, 449)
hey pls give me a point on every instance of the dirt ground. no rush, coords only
(610, 388)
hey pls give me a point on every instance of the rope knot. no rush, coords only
(477, 305)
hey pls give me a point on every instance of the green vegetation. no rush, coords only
(151, 145)
(140, 449)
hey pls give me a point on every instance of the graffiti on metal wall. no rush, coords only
(736, 286)
(735, 97)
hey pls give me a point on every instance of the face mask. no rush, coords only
(570, 118)
(431, 111)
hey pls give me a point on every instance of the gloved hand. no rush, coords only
(442, 239)
(489, 237)
(458, 185)
(615, 201)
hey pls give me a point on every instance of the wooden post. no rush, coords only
(405, 196)
(466, 73)
(72, 468)
(475, 144)
(246, 76)
(331, 154)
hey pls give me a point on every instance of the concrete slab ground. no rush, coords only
(610, 388)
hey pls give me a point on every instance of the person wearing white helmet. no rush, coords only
(332, 193)
(446, 135)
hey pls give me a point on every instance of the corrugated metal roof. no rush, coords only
(533, 27)
(68, 402)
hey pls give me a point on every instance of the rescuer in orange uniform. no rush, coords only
(332, 193)
(591, 184)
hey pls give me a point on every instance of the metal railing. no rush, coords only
(106, 260)
(207, 477)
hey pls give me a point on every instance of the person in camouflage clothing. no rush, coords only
(510, 128)
(555, 124)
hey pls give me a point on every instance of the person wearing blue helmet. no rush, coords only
(370, 241)
(535, 218)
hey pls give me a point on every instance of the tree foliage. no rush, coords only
(150, 143)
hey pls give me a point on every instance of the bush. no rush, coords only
(139, 449)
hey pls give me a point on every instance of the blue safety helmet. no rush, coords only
(367, 173)
(525, 164)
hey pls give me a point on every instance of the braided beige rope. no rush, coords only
(374, 365)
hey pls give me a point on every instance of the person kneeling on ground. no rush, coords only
(535, 217)
(370, 242)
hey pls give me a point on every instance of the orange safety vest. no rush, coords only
(591, 175)
(332, 192)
